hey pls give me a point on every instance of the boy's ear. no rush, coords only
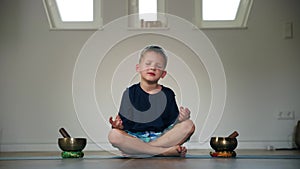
(164, 73)
(137, 67)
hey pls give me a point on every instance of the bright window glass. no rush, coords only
(73, 14)
(219, 9)
(75, 10)
(148, 10)
(222, 13)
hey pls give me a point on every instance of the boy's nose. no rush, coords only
(152, 68)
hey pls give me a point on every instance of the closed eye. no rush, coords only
(159, 66)
(147, 63)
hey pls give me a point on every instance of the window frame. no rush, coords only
(56, 22)
(239, 22)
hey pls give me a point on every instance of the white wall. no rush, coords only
(36, 67)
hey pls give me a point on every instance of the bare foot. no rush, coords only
(177, 151)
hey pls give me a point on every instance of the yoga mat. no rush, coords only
(187, 157)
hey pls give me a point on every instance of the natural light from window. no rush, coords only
(220, 9)
(75, 10)
(87, 14)
(148, 10)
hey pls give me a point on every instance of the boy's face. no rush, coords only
(151, 66)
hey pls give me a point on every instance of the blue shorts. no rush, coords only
(148, 136)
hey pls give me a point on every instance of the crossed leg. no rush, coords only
(169, 144)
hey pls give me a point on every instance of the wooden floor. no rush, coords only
(7, 161)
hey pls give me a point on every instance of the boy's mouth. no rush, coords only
(151, 74)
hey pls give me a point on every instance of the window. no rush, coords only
(225, 10)
(148, 10)
(75, 10)
(146, 13)
(221, 13)
(73, 14)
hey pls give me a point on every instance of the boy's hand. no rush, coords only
(184, 114)
(117, 123)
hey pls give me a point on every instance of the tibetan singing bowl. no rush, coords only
(220, 144)
(72, 144)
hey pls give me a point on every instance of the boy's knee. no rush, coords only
(188, 126)
(115, 136)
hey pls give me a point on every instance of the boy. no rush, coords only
(149, 122)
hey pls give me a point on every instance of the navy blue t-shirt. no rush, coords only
(141, 111)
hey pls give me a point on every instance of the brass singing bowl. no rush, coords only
(221, 144)
(72, 144)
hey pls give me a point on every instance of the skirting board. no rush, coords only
(107, 147)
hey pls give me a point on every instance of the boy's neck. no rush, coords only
(150, 88)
